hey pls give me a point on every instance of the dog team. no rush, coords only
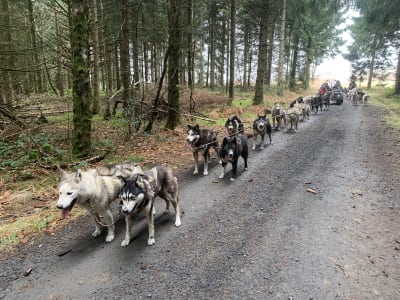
(95, 189)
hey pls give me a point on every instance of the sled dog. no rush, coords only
(201, 140)
(292, 117)
(277, 116)
(139, 192)
(94, 190)
(232, 148)
(261, 127)
(234, 125)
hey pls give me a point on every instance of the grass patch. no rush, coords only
(388, 101)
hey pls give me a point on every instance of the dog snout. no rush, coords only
(59, 206)
(125, 210)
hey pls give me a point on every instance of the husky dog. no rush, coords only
(324, 101)
(313, 102)
(94, 190)
(364, 99)
(303, 109)
(201, 140)
(261, 126)
(292, 117)
(354, 96)
(277, 115)
(234, 126)
(139, 192)
(232, 149)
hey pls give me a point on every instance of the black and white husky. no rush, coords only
(139, 192)
(261, 127)
(234, 125)
(201, 140)
(232, 148)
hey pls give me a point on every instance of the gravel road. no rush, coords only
(265, 236)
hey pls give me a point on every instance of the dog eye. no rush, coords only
(69, 193)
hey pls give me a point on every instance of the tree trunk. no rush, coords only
(397, 82)
(246, 48)
(173, 64)
(79, 40)
(262, 54)
(96, 48)
(307, 64)
(293, 68)
(59, 77)
(224, 51)
(135, 47)
(271, 32)
(213, 41)
(6, 40)
(232, 51)
(124, 53)
(116, 67)
(372, 65)
(281, 45)
(35, 55)
(190, 45)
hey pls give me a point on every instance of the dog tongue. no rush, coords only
(65, 213)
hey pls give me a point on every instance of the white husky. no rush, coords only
(94, 190)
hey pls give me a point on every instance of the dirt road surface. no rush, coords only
(265, 236)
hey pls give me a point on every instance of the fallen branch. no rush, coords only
(90, 160)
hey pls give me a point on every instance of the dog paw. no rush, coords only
(253, 148)
(151, 241)
(221, 176)
(109, 237)
(97, 232)
(205, 173)
(233, 179)
(195, 172)
(125, 243)
(246, 169)
(178, 222)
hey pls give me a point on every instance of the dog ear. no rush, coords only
(225, 141)
(139, 182)
(63, 173)
(197, 127)
(189, 126)
(78, 175)
(122, 178)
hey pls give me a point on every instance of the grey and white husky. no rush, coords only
(94, 190)
(138, 195)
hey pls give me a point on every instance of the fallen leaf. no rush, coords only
(311, 191)
(356, 192)
(28, 272)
